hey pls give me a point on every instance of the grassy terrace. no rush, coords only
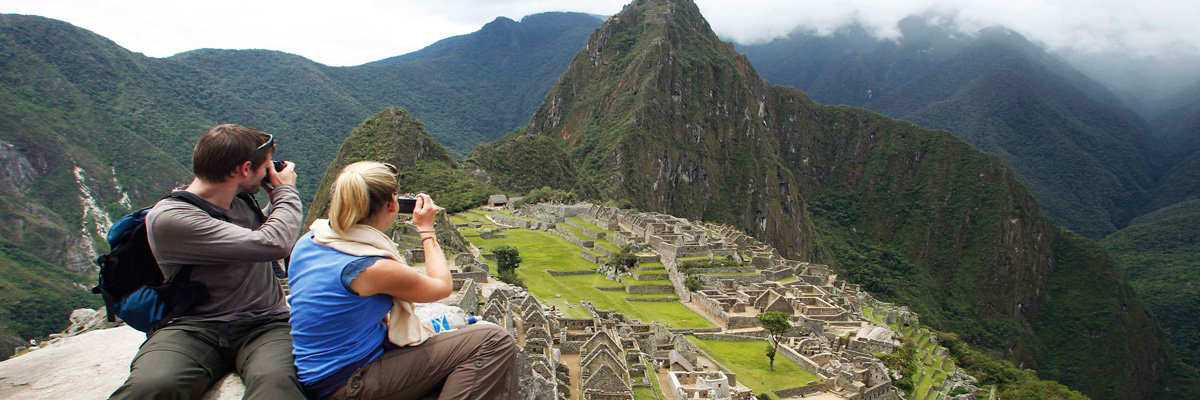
(589, 225)
(577, 233)
(645, 393)
(749, 361)
(651, 265)
(541, 251)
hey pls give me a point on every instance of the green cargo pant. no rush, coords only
(181, 360)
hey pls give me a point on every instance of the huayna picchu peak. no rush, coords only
(657, 113)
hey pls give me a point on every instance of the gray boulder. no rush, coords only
(90, 365)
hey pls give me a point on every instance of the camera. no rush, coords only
(279, 165)
(407, 204)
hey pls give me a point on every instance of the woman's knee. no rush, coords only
(496, 337)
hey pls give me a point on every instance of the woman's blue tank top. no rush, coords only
(332, 327)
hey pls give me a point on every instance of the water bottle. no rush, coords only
(448, 322)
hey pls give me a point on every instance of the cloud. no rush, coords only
(1139, 28)
(350, 32)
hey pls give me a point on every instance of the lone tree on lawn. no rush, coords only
(507, 261)
(776, 324)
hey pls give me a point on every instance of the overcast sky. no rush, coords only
(351, 32)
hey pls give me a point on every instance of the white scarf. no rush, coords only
(404, 328)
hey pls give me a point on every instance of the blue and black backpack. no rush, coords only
(131, 282)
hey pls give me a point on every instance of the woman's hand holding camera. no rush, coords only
(424, 212)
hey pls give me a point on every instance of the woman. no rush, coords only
(345, 277)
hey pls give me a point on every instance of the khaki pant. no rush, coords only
(181, 360)
(476, 362)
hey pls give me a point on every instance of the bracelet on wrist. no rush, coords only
(426, 231)
(429, 237)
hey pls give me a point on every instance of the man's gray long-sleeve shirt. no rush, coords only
(232, 258)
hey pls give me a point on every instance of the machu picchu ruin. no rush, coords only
(593, 329)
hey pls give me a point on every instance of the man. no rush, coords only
(243, 325)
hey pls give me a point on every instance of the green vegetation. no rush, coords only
(543, 251)
(1013, 382)
(545, 194)
(38, 297)
(624, 259)
(1160, 255)
(776, 324)
(507, 261)
(1086, 157)
(745, 359)
(393, 136)
(918, 217)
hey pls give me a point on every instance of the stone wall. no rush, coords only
(802, 361)
(519, 223)
(648, 289)
(710, 279)
(569, 273)
(478, 276)
(590, 256)
(801, 391)
(728, 337)
(652, 299)
(571, 238)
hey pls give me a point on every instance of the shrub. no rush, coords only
(624, 259)
(510, 277)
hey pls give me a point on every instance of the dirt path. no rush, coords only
(572, 363)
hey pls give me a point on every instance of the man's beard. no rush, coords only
(250, 187)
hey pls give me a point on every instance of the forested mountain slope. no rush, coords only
(90, 130)
(657, 113)
(1089, 161)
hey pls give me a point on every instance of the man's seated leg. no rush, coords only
(266, 364)
(177, 362)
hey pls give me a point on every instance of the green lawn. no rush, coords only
(644, 393)
(789, 279)
(653, 265)
(749, 361)
(542, 250)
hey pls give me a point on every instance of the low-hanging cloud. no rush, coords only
(1153, 28)
(350, 32)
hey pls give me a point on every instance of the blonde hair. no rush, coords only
(361, 189)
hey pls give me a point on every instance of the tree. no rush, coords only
(507, 261)
(776, 324)
(507, 258)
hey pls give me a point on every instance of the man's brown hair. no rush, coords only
(220, 150)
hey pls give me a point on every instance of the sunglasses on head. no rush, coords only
(270, 140)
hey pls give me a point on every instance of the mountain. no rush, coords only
(1087, 159)
(657, 113)
(1179, 133)
(396, 137)
(90, 130)
(1160, 254)
(474, 88)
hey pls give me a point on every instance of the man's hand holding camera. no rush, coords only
(279, 173)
